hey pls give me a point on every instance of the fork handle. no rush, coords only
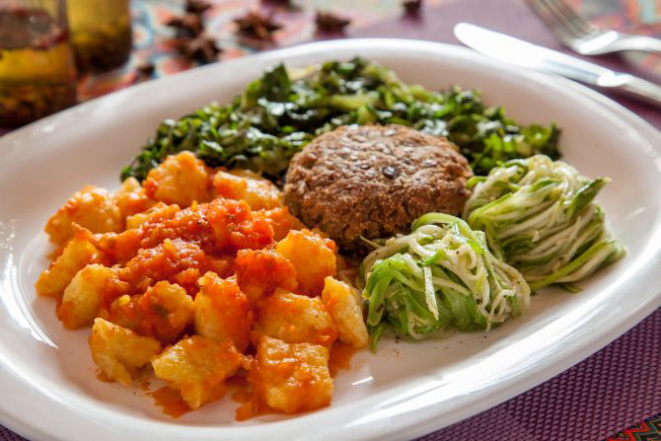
(640, 43)
(640, 88)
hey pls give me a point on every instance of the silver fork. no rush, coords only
(584, 37)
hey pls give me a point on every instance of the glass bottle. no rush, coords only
(37, 71)
(100, 33)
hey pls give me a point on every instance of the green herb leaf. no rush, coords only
(276, 116)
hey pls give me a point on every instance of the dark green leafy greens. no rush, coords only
(277, 115)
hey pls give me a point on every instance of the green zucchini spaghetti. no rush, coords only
(540, 216)
(441, 276)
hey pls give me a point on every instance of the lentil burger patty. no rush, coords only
(374, 181)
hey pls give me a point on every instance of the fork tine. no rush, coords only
(552, 21)
(585, 26)
(581, 35)
(557, 13)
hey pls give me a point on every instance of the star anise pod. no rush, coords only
(257, 26)
(202, 48)
(146, 69)
(197, 6)
(187, 26)
(328, 22)
(412, 7)
(284, 3)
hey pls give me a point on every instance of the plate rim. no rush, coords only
(493, 396)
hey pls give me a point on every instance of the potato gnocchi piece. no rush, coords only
(162, 312)
(125, 311)
(222, 311)
(280, 220)
(117, 247)
(260, 272)
(165, 262)
(91, 288)
(181, 179)
(167, 309)
(312, 256)
(77, 254)
(190, 224)
(92, 208)
(258, 192)
(198, 368)
(223, 266)
(120, 352)
(131, 198)
(291, 377)
(235, 228)
(155, 214)
(295, 318)
(346, 312)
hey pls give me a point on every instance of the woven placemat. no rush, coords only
(611, 390)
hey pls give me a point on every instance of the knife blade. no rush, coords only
(522, 53)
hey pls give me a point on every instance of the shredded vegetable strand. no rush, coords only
(440, 276)
(540, 216)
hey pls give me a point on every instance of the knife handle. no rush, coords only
(641, 89)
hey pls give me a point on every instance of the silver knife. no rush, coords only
(522, 53)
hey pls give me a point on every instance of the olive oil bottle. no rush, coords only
(37, 72)
(100, 33)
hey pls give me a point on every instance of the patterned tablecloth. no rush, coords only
(150, 35)
(613, 395)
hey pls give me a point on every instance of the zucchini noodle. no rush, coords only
(539, 215)
(442, 275)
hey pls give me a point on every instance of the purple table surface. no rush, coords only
(613, 389)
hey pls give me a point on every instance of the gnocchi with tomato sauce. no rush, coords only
(198, 275)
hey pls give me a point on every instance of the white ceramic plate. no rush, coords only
(47, 385)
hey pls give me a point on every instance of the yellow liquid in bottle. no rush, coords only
(37, 74)
(100, 32)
